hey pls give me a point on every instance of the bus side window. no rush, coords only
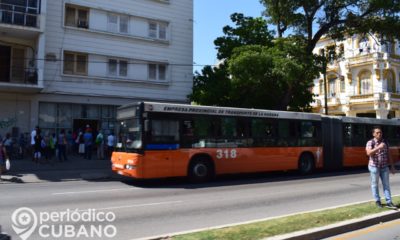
(164, 131)
(307, 133)
(228, 132)
(359, 135)
(188, 133)
(347, 134)
(263, 132)
(203, 132)
(286, 132)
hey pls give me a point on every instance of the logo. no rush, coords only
(24, 222)
(88, 223)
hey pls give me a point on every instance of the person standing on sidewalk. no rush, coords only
(110, 144)
(88, 139)
(100, 145)
(33, 135)
(62, 146)
(3, 157)
(37, 152)
(379, 160)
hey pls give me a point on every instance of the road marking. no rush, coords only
(167, 235)
(95, 191)
(367, 230)
(139, 205)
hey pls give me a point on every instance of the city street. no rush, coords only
(144, 209)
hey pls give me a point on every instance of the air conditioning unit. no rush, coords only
(82, 24)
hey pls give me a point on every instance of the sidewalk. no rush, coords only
(76, 168)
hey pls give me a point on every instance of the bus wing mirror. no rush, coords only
(146, 125)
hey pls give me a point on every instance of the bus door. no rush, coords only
(332, 142)
(162, 140)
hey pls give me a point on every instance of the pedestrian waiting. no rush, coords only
(62, 146)
(3, 158)
(100, 145)
(379, 161)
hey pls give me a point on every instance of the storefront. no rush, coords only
(74, 117)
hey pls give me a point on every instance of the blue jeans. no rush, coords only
(383, 174)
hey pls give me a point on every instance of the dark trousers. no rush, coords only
(62, 152)
(88, 151)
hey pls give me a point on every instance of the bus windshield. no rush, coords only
(130, 137)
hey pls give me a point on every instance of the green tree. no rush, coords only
(273, 77)
(334, 18)
(213, 86)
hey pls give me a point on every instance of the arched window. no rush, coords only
(391, 83)
(365, 82)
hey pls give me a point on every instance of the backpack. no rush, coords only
(99, 139)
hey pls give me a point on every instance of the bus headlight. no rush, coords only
(130, 167)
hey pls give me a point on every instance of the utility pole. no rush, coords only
(324, 63)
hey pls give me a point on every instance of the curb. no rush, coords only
(339, 228)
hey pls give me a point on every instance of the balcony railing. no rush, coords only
(20, 76)
(19, 15)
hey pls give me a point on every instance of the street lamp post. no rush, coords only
(325, 86)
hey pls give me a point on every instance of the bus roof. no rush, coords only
(221, 111)
(373, 121)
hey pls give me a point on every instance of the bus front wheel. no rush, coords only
(306, 164)
(201, 170)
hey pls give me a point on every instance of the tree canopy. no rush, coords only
(333, 18)
(258, 70)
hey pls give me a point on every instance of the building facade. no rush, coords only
(363, 79)
(65, 64)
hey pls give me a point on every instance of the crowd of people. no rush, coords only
(46, 147)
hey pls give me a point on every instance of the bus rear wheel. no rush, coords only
(306, 164)
(201, 170)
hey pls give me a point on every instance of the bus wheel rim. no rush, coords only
(200, 170)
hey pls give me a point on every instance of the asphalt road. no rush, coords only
(144, 209)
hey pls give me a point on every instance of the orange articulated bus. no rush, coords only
(158, 140)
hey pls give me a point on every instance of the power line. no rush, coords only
(138, 62)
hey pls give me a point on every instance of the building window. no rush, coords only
(342, 84)
(365, 83)
(157, 72)
(391, 85)
(158, 30)
(332, 86)
(321, 87)
(364, 46)
(118, 23)
(117, 67)
(75, 63)
(76, 16)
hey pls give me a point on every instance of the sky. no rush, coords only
(210, 16)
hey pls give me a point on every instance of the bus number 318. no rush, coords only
(226, 153)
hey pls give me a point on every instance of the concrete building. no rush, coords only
(363, 81)
(68, 63)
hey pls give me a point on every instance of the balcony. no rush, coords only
(19, 80)
(19, 15)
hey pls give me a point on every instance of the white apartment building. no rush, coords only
(364, 81)
(68, 63)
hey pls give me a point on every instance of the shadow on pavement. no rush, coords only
(76, 168)
(239, 179)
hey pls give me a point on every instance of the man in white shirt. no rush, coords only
(110, 144)
(33, 135)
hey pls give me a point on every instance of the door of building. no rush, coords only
(5, 63)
